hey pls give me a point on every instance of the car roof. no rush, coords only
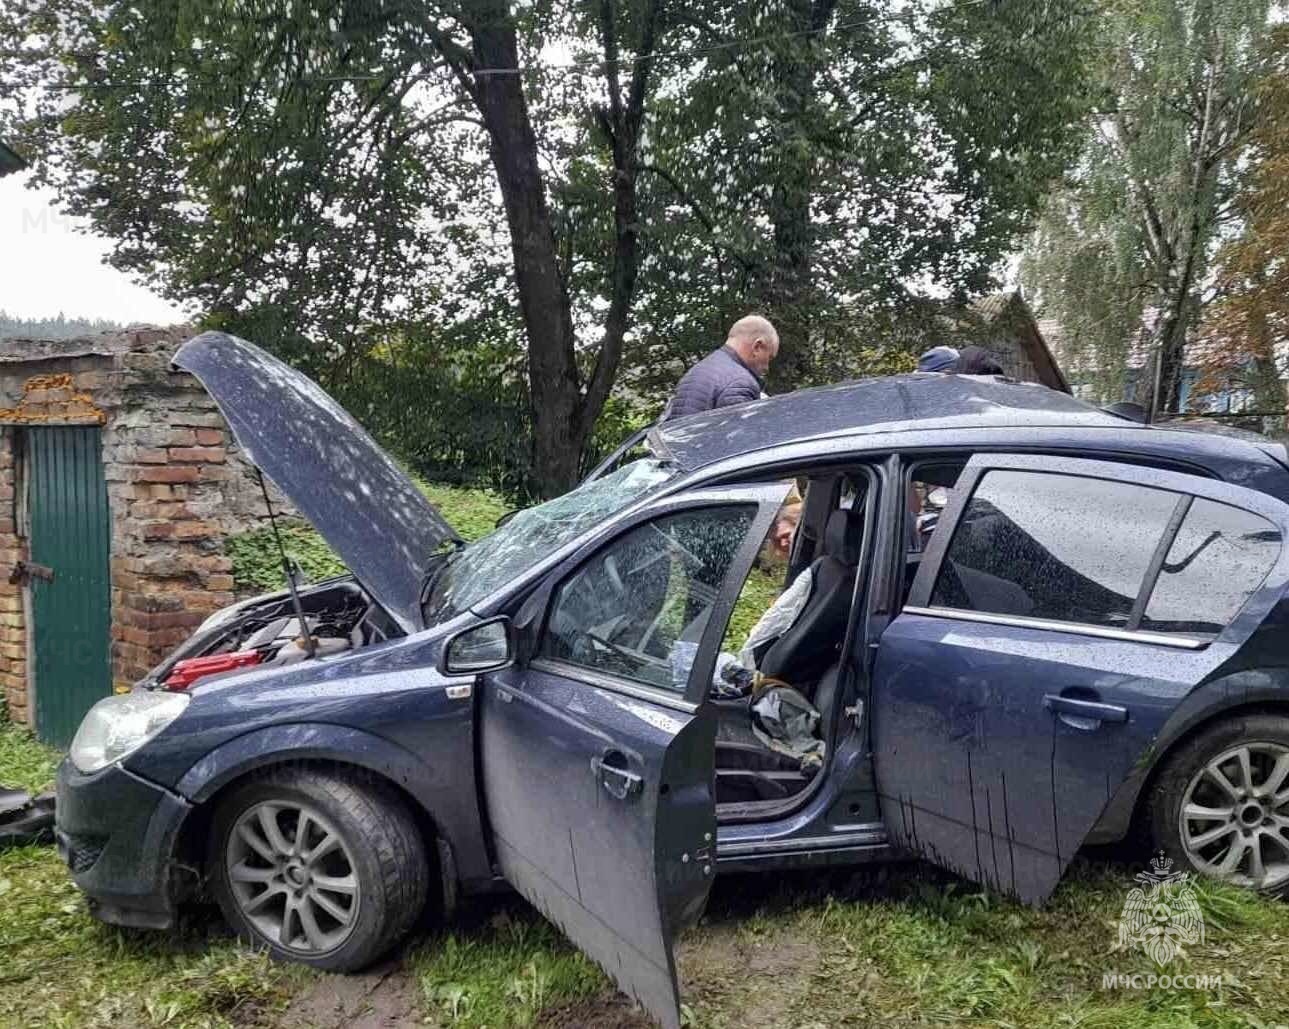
(893, 403)
(942, 406)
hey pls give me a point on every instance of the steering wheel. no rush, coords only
(632, 662)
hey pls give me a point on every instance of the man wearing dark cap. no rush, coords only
(938, 359)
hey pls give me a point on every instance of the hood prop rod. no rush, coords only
(310, 645)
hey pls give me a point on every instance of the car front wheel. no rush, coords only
(1221, 806)
(319, 868)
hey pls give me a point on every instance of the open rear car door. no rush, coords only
(598, 747)
(1054, 625)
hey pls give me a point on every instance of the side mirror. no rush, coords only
(485, 647)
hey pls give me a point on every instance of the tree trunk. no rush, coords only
(790, 283)
(622, 125)
(559, 427)
(563, 415)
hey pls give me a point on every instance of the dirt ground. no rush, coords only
(380, 999)
(753, 974)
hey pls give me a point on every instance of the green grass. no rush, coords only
(24, 761)
(258, 569)
(60, 968)
(506, 970)
(912, 949)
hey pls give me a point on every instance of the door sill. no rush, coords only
(873, 835)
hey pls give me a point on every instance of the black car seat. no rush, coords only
(802, 654)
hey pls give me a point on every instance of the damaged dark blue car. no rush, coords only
(1027, 625)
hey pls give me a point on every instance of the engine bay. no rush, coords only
(267, 632)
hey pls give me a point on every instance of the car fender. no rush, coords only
(454, 811)
(1241, 690)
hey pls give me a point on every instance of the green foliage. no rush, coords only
(1249, 325)
(257, 568)
(843, 179)
(762, 588)
(257, 564)
(471, 512)
(321, 183)
(62, 968)
(1123, 252)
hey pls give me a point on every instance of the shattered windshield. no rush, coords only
(486, 565)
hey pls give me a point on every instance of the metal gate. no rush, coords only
(68, 529)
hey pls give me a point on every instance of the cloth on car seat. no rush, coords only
(806, 649)
(785, 722)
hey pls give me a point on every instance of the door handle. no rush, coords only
(1086, 710)
(613, 774)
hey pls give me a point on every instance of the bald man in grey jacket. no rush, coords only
(732, 374)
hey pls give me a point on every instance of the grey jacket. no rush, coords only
(719, 380)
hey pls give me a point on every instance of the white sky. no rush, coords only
(48, 264)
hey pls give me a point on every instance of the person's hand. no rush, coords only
(734, 681)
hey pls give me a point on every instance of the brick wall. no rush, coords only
(13, 635)
(176, 485)
(169, 572)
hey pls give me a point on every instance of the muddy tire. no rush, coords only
(318, 868)
(1220, 806)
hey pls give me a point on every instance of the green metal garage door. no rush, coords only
(69, 525)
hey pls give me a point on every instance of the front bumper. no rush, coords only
(117, 834)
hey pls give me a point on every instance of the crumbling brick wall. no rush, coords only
(176, 486)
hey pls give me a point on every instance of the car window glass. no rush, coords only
(488, 564)
(1063, 547)
(1219, 557)
(638, 608)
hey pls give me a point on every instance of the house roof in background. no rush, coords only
(9, 159)
(1009, 310)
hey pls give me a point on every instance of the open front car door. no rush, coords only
(598, 750)
(1062, 611)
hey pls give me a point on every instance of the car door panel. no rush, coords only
(599, 789)
(1012, 777)
(999, 741)
(594, 876)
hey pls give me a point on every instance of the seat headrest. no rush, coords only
(843, 535)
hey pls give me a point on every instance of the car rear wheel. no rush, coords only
(318, 868)
(1221, 805)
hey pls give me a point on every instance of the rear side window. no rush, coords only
(1061, 547)
(1218, 558)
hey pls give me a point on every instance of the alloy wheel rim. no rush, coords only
(293, 877)
(1234, 817)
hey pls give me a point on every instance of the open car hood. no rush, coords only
(365, 507)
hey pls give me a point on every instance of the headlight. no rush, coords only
(118, 726)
